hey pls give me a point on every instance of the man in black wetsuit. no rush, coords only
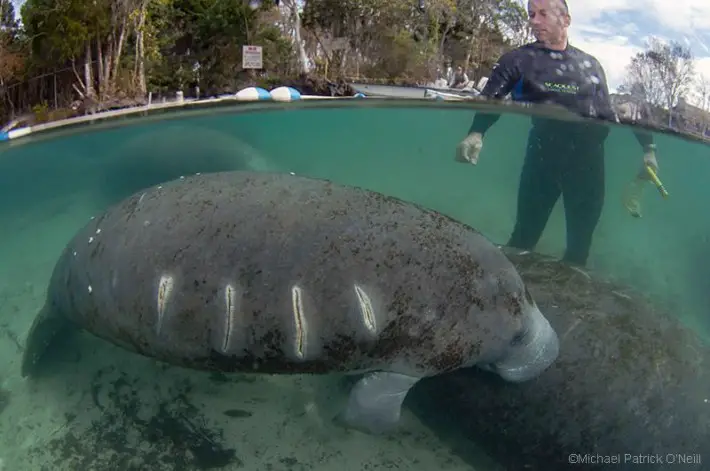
(563, 158)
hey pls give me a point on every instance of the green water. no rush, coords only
(49, 187)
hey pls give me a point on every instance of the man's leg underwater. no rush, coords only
(538, 192)
(583, 189)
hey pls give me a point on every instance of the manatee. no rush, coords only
(279, 274)
(630, 388)
(168, 151)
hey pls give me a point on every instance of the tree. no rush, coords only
(357, 33)
(661, 74)
(292, 25)
(113, 52)
(702, 94)
(11, 53)
(485, 29)
(8, 23)
(702, 89)
(515, 22)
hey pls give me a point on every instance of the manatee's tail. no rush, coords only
(48, 326)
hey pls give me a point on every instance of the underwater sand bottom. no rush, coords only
(100, 408)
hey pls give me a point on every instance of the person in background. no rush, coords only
(459, 79)
(440, 81)
(449, 72)
(563, 158)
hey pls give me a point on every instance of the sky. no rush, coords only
(615, 30)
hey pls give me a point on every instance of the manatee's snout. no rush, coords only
(531, 352)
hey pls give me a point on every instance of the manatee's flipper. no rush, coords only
(375, 402)
(46, 328)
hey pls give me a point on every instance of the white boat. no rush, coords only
(393, 91)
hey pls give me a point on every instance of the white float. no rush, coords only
(285, 94)
(252, 94)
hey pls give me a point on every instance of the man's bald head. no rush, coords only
(549, 20)
(562, 4)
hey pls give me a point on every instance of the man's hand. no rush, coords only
(634, 191)
(649, 160)
(470, 148)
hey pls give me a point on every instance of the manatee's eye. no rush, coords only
(528, 296)
(519, 338)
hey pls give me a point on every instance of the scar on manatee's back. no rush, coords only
(4, 399)
(237, 413)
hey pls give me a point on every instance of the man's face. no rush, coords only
(549, 19)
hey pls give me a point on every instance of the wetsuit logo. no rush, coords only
(562, 88)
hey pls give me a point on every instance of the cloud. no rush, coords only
(614, 55)
(681, 15)
(701, 85)
(615, 30)
(585, 11)
(702, 67)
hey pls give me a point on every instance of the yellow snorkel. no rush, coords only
(657, 181)
(632, 196)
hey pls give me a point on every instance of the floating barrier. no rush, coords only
(437, 95)
(281, 94)
(252, 94)
(285, 94)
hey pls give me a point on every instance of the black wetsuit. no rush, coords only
(563, 157)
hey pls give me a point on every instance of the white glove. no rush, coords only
(634, 190)
(649, 159)
(470, 148)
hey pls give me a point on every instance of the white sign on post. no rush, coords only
(252, 57)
